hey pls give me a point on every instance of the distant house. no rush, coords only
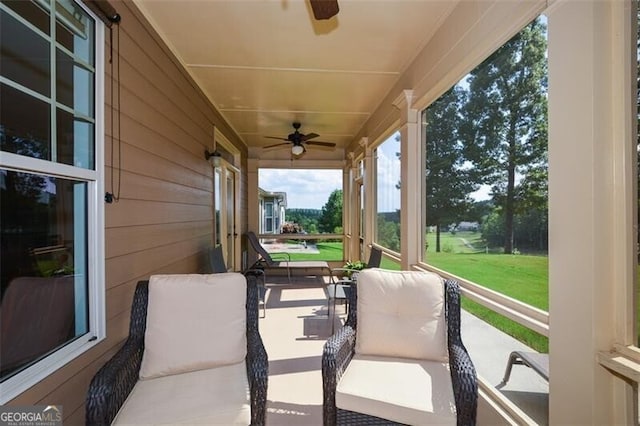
(272, 210)
(468, 226)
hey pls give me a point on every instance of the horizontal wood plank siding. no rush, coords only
(163, 220)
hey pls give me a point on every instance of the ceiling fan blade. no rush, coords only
(318, 143)
(324, 9)
(278, 145)
(275, 137)
(309, 136)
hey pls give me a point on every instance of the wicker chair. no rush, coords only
(340, 349)
(113, 383)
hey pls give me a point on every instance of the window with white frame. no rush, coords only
(387, 196)
(52, 263)
(268, 217)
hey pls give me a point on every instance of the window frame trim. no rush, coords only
(94, 178)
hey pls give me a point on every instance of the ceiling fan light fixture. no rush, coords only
(297, 149)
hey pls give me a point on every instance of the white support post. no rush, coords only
(591, 109)
(253, 221)
(410, 180)
(369, 195)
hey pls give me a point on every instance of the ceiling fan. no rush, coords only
(298, 140)
(324, 9)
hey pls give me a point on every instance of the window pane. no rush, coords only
(217, 193)
(43, 272)
(74, 30)
(74, 86)
(486, 182)
(31, 11)
(302, 201)
(388, 193)
(75, 141)
(24, 124)
(25, 55)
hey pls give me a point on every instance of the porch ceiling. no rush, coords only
(267, 63)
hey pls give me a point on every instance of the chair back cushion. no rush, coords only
(401, 314)
(194, 322)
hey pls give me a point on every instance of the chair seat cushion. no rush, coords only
(399, 389)
(194, 322)
(401, 314)
(217, 396)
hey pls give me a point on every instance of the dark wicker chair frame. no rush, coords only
(112, 384)
(339, 350)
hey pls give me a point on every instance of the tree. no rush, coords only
(388, 233)
(505, 128)
(331, 216)
(448, 181)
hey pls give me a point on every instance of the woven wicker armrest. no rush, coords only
(257, 360)
(112, 384)
(257, 373)
(336, 355)
(463, 373)
(465, 386)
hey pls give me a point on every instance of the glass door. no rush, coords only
(217, 197)
(230, 209)
(226, 186)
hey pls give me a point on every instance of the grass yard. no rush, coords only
(522, 277)
(331, 252)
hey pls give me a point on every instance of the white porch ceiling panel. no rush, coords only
(267, 63)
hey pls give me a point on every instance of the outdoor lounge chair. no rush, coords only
(193, 355)
(384, 368)
(266, 261)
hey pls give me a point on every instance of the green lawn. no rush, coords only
(331, 252)
(522, 277)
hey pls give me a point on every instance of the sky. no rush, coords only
(309, 188)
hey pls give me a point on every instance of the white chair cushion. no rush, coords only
(194, 322)
(401, 314)
(217, 396)
(407, 391)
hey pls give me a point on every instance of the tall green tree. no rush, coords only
(505, 129)
(448, 181)
(331, 216)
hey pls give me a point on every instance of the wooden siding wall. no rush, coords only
(163, 220)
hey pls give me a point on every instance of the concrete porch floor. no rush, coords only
(295, 329)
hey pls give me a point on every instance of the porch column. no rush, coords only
(410, 180)
(370, 219)
(252, 193)
(591, 108)
(347, 216)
